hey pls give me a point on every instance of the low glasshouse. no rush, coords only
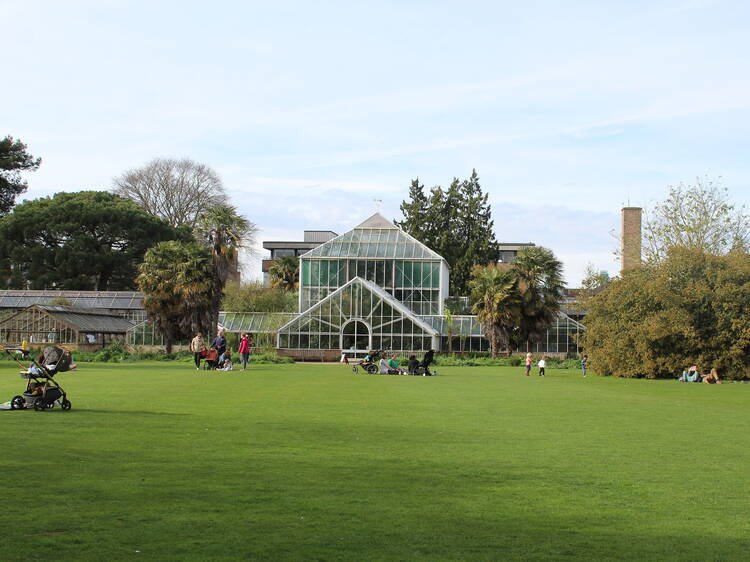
(374, 287)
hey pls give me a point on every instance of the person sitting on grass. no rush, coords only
(413, 365)
(227, 363)
(712, 377)
(394, 367)
(383, 366)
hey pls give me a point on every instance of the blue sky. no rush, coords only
(311, 111)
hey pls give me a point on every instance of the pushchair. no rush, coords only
(211, 359)
(423, 369)
(370, 363)
(42, 390)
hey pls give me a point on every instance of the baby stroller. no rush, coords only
(370, 363)
(42, 390)
(423, 369)
(211, 359)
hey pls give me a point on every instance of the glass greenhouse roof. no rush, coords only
(254, 322)
(80, 299)
(374, 238)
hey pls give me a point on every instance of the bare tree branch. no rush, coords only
(177, 191)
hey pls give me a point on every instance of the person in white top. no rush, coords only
(542, 364)
(383, 367)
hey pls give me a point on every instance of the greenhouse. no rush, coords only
(76, 327)
(377, 287)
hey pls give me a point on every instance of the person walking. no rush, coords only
(198, 347)
(584, 364)
(542, 364)
(528, 364)
(244, 350)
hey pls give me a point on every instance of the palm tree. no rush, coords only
(497, 303)
(541, 284)
(284, 273)
(450, 325)
(177, 279)
(224, 231)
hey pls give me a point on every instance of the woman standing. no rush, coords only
(198, 347)
(244, 350)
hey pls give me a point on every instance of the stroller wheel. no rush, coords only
(371, 369)
(354, 369)
(17, 403)
(39, 405)
(65, 404)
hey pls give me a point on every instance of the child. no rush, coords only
(528, 364)
(227, 364)
(542, 364)
(584, 364)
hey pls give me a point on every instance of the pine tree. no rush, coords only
(476, 237)
(414, 211)
(455, 223)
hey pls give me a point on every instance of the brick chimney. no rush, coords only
(631, 238)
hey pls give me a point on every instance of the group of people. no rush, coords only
(223, 361)
(693, 374)
(542, 364)
(392, 366)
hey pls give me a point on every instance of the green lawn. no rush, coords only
(301, 462)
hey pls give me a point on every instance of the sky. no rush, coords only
(317, 114)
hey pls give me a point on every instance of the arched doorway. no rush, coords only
(356, 338)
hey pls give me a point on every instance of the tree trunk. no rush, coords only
(169, 340)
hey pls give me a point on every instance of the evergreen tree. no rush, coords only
(415, 212)
(476, 238)
(90, 240)
(455, 223)
(14, 159)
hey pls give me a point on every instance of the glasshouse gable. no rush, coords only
(376, 287)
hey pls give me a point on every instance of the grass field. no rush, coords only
(309, 462)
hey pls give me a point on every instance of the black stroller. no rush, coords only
(370, 363)
(42, 390)
(422, 369)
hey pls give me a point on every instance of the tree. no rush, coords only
(450, 326)
(497, 303)
(690, 308)
(455, 223)
(178, 281)
(14, 159)
(541, 285)
(90, 240)
(224, 232)
(254, 297)
(594, 282)
(475, 226)
(284, 273)
(416, 213)
(177, 191)
(695, 216)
